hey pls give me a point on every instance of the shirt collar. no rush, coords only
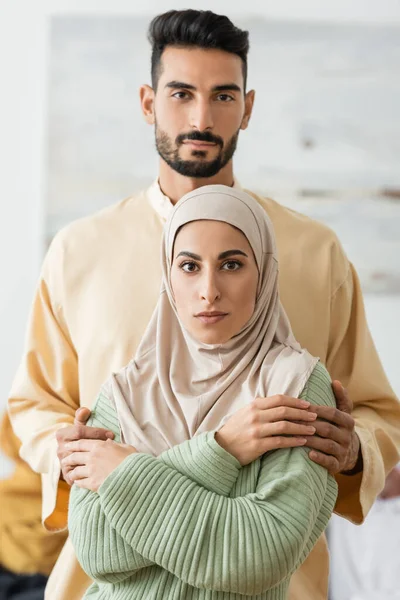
(162, 204)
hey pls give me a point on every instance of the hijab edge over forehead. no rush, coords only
(238, 212)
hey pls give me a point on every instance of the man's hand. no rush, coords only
(335, 444)
(266, 424)
(78, 431)
(91, 461)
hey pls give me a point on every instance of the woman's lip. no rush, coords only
(211, 319)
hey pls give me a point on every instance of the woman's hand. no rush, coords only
(92, 461)
(266, 424)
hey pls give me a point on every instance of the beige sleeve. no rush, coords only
(353, 359)
(45, 391)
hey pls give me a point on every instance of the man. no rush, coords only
(101, 277)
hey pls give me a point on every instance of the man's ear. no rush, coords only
(248, 108)
(147, 95)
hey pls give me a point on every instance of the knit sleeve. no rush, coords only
(101, 551)
(244, 545)
(201, 459)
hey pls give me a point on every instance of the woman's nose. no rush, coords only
(210, 291)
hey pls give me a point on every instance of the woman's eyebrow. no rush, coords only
(189, 254)
(221, 256)
(229, 253)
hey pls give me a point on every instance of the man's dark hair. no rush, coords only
(195, 28)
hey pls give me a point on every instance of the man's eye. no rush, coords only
(189, 267)
(225, 98)
(180, 95)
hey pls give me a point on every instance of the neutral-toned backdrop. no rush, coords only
(324, 137)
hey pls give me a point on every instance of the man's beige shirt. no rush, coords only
(98, 287)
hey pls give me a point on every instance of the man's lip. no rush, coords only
(197, 143)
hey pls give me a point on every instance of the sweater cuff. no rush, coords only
(205, 462)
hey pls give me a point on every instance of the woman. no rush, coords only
(187, 506)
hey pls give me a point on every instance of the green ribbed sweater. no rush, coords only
(193, 524)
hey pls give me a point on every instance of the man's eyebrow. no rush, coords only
(225, 87)
(221, 256)
(179, 84)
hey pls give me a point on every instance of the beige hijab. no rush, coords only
(176, 387)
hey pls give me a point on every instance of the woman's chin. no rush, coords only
(211, 337)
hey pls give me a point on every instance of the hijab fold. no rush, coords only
(177, 387)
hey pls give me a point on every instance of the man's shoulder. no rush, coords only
(299, 235)
(106, 217)
(292, 221)
(100, 225)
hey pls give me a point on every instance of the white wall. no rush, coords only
(361, 11)
(23, 56)
(383, 314)
(22, 93)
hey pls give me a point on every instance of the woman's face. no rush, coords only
(214, 279)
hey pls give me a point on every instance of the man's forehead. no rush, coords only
(200, 67)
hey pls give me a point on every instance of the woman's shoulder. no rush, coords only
(318, 389)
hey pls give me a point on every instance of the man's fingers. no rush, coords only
(343, 401)
(82, 445)
(81, 415)
(328, 447)
(327, 430)
(333, 415)
(330, 463)
(96, 433)
(81, 432)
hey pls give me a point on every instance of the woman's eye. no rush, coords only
(232, 265)
(189, 267)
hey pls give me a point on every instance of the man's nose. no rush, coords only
(201, 117)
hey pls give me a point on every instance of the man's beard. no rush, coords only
(195, 168)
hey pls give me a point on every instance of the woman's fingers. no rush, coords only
(286, 428)
(286, 413)
(78, 473)
(74, 459)
(280, 400)
(277, 441)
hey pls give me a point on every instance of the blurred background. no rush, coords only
(324, 138)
